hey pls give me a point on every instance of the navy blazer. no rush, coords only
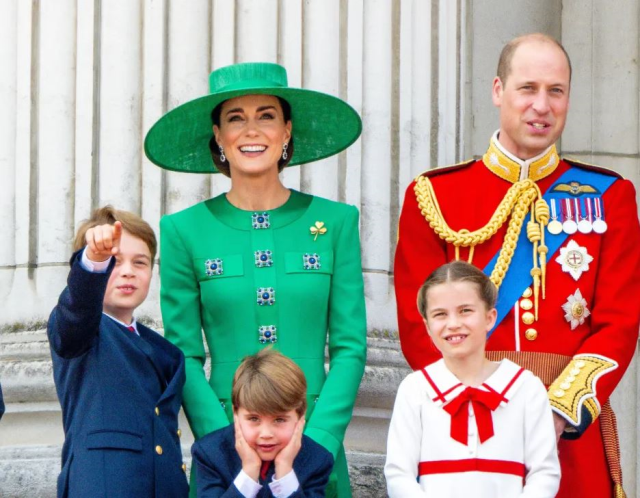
(120, 395)
(218, 464)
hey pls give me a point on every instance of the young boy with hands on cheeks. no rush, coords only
(119, 382)
(466, 426)
(264, 452)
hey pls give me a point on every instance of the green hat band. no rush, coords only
(241, 85)
(322, 125)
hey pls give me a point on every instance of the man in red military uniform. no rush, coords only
(559, 238)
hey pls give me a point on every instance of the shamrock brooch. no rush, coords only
(318, 229)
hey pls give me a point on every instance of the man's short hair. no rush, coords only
(506, 56)
(131, 222)
(269, 383)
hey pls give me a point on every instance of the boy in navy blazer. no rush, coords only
(264, 453)
(119, 383)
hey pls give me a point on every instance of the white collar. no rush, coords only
(133, 323)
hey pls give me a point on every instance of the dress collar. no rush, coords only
(241, 219)
(443, 386)
(508, 167)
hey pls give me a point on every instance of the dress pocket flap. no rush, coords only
(218, 267)
(114, 440)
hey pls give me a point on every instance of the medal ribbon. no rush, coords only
(483, 403)
(576, 205)
(582, 209)
(554, 215)
(518, 277)
(599, 213)
(568, 210)
(587, 202)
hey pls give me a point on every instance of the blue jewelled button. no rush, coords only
(263, 258)
(267, 333)
(266, 296)
(213, 267)
(260, 220)
(311, 261)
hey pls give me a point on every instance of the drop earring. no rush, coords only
(285, 146)
(223, 158)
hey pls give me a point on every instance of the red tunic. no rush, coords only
(468, 195)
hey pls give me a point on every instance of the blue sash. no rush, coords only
(518, 277)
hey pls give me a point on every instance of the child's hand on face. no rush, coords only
(284, 459)
(251, 462)
(103, 241)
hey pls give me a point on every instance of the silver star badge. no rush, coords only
(575, 309)
(574, 259)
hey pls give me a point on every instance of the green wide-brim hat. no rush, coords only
(322, 125)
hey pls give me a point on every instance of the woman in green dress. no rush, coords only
(262, 264)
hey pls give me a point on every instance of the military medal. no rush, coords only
(599, 225)
(575, 309)
(574, 259)
(569, 226)
(554, 226)
(584, 225)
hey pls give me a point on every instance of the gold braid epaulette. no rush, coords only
(522, 197)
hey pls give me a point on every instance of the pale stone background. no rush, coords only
(82, 81)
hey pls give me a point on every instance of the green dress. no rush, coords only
(289, 277)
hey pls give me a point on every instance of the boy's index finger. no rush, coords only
(117, 234)
(117, 231)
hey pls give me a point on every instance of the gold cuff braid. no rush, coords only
(522, 197)
(575, 387)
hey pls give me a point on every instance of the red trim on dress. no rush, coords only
(439, 395)
(471, 465)
(506, 389)
(515, 377)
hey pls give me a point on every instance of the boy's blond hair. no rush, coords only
(131, 222)
(269, 383)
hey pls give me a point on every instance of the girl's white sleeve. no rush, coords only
(540, 450)
(403, 443)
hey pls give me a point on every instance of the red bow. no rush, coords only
(483, 402)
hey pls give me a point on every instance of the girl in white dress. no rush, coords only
(465, 426)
